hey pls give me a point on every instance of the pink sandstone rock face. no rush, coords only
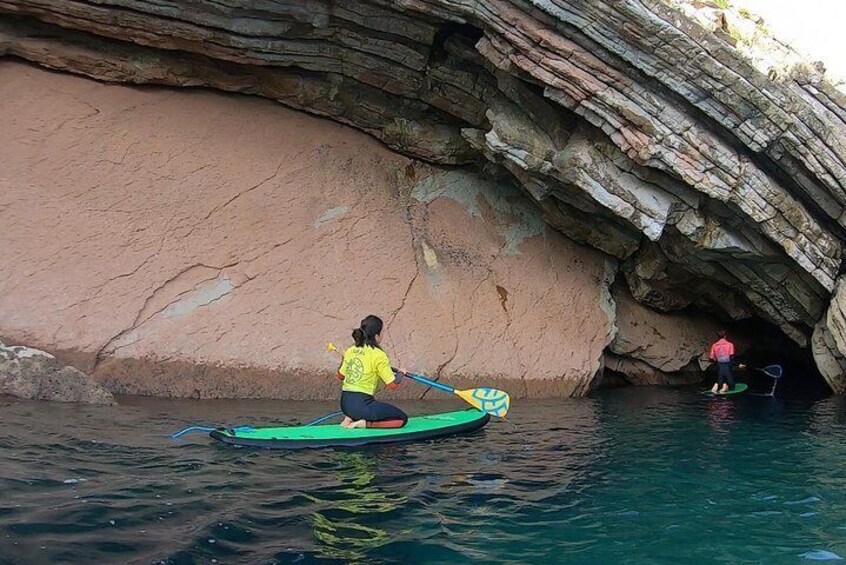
(198, 244)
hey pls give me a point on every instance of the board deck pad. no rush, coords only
(333, 435)
(738, 388)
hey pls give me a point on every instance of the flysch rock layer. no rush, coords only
(195, 244)
(829, 341)
(638, 130)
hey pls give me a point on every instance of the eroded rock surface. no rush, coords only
(666, 342)
(637, 372)
(202, 245)
(36, 375)
(829, 341)
(638, 130)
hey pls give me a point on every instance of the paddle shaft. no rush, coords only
(424, 381)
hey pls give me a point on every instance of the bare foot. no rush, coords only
(346, 422)
(714, 389)
(724, 390)
(358, 424)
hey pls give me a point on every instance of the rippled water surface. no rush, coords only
(629, 476)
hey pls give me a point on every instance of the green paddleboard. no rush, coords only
(738, 388)
(333, 435)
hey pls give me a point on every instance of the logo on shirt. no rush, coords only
(355, 370)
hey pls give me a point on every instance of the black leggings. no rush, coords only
(360, 406)
(724, 375)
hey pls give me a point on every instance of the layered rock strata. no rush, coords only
(829, 341)
(636, 130)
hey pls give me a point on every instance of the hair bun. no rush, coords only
(358, 336)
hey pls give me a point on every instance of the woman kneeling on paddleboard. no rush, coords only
(363, 367)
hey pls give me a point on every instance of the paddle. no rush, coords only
(490, 400)
(772, 371)
(775, 372)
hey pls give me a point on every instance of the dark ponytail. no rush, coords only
(366, 333)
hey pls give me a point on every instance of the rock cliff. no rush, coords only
(197, 245)
(637, 128)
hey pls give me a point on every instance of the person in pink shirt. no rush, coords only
(722, 353)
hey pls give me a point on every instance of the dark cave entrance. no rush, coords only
(764, 344)
(760, 344)
(467, 33)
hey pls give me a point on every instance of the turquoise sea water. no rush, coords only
(628, 476)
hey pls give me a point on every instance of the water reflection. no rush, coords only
(341, 526)
(721, 413)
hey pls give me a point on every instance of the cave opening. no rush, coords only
(439, 54)
(611, 379)
(762, 344)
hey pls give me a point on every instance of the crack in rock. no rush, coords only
(200, 293)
